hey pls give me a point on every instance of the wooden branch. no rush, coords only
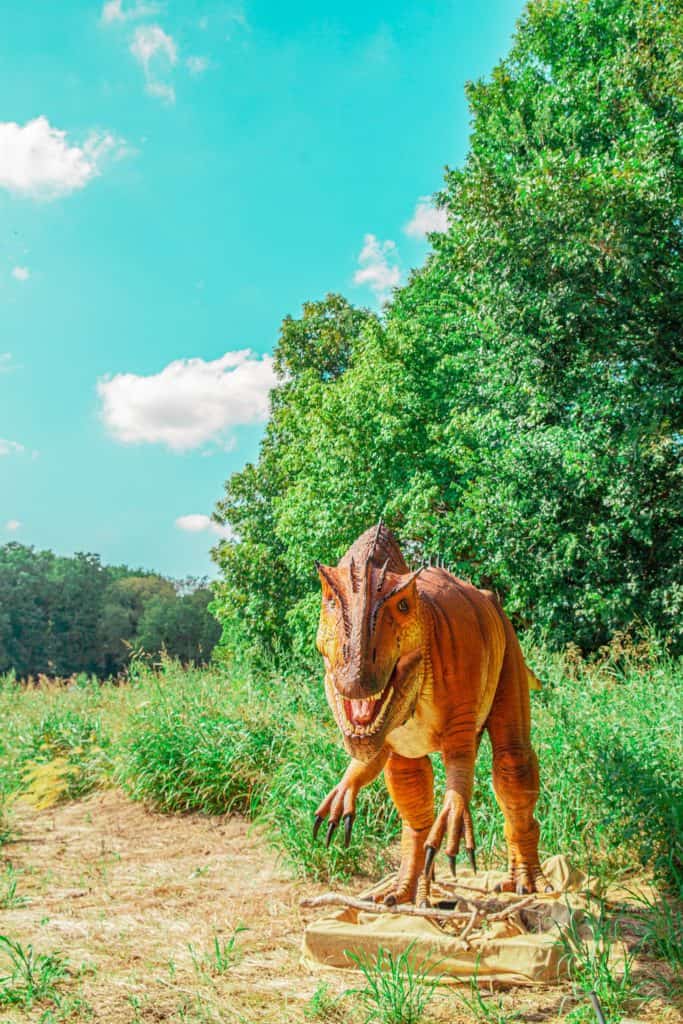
(512, 909)
(338, 899)
(468, 928)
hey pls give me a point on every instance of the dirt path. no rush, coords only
(128, 892)
(135, 901)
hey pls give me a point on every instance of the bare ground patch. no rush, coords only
(136, 900)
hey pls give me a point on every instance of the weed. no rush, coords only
(220, 957)
(662, 929)
(485, 1011)
(32, 976)
(592, 968)
(323, 1006)
(396, 990)
(9, 897)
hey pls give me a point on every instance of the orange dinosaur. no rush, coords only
(418, 662)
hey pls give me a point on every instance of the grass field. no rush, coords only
(237, 745)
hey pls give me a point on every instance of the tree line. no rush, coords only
(515, 411)
(61, 616)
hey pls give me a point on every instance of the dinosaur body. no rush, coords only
(417, 663)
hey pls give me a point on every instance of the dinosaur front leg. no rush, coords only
(340, 802)
(410, 782)
(454, 820)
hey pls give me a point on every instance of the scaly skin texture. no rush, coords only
(417, 663)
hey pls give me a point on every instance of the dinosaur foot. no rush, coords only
(525, 879)
(401, 892)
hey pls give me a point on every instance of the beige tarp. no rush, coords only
(522, 949)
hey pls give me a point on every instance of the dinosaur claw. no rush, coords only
(316, 825)
(390, 900)
(522, 890)
(348, 825)
(429, 860)
(330, 832)
(472, 859)
(451, 861)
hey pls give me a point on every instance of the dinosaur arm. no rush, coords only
(341, 801)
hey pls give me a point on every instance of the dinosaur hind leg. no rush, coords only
(410, 782)
(515, 771)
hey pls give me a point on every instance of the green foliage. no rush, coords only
(517, 411)
(323, 1006)
(10, 899)
(397, 990)
(594, 968)
(189, 748)
(32, 976)
(608, 737)
(76, 746)
(65, 616)
(222, 955)
(662, 929)
(485, 1010)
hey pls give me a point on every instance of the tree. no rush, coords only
(517, 412)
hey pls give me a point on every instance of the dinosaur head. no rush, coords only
(371, 639)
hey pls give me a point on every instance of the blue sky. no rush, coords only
(175, 178)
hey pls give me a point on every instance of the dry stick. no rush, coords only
(468, 928)
(512, 909)
(337, 899)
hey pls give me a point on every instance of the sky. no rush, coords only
(175, 179)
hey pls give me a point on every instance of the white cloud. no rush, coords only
(426, 219)
(36, 160)
(13, 525)
(21, 273)
(113, 11)
(378, 267)
(11, 447)
(156, 51)
(189, 402)
(197, 65)
(196, 522)
(6, 362)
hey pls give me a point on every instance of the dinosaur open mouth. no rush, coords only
(363, 717)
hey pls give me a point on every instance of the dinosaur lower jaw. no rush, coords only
(362, 718)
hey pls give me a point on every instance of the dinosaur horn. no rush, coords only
(405, 582)
(382, 575)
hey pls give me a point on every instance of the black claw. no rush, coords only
(522, 889)
(429, 860)
(451, 861)
(390, 900)
(348, 825)
(548, 888)
(472, 859)
(330, 832)
(316, 825)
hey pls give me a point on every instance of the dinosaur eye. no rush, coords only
(402, 605)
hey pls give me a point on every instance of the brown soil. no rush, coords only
(135, 900)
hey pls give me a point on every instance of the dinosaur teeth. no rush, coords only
(360, 730)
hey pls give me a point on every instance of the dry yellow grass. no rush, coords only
(124, 893)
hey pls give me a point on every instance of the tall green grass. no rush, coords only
(609, 736)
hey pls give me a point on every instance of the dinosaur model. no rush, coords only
(419, 662)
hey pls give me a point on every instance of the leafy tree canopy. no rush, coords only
(516, 412)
